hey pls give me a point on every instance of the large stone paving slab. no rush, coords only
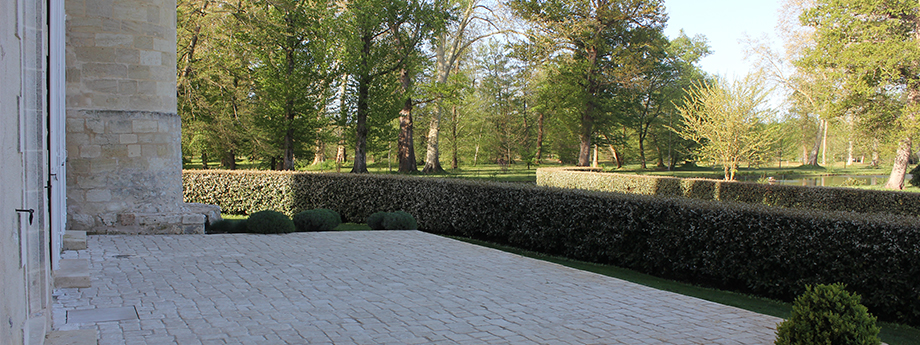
(398, 287)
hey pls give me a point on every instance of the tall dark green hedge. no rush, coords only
(773, 252)
(820, 198)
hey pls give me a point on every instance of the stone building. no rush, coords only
(124, 171)
(89, 140)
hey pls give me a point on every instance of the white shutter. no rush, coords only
(57, 180)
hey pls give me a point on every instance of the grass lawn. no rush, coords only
(520, 172)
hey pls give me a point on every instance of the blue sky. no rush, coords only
(724, 23)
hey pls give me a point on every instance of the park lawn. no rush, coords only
(521, 172)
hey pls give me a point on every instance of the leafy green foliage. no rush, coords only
(269, 222)
(375, 220)
(320, 219)
(828, 314)
(870, 49)
(212, 85)
(292, 47)
(729, 122)
(599, 48)
(398, 220)
(915, 176)
(752, 248)
(804, 197)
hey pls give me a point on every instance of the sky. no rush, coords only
(724, 23)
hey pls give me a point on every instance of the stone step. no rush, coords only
(74, 240)
(74, 273)
(75, 337)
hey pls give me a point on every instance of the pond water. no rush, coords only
(829, 181)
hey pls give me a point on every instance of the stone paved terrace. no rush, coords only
(366, 287)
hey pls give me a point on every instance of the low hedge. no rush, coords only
(821, 198)
(773, 252)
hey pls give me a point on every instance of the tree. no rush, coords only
(671, 70)
(728, 121)
(291, 41)
(812, 91)
(384, 36)
(503, 104)
(449, 45)
(873, 47)
(599, 41)
(212, 82)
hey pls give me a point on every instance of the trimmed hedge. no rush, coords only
(821, 198)
(773, 252)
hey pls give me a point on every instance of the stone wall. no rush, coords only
(123, 132)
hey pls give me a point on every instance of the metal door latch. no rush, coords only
(31, 214)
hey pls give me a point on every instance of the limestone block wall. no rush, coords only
(123, 132)
(121, 55)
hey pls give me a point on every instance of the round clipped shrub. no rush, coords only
(828, 314)
(375, 221)
(269, 222)
(399, 220)
(320, 219)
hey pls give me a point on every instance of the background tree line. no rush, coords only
(291, 83)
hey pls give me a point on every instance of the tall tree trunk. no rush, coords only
(899, 169)
(538, 156)
(588, 117)
(594, 162)
(204, 159)
(902, 156)
(288, 145)
(660, 163)
(360, 160)
(364, 84)
(454, 163)
(613, 151)
(228, 160)
(288, 160)
(478, 141)
(616, 156)
(340, 129)
(587, 132)
(849, 153)
(642, 152)
(824, 145)
(432, 153)
(319, 156)
(405, 145)
(813, 155)
(875, 159)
